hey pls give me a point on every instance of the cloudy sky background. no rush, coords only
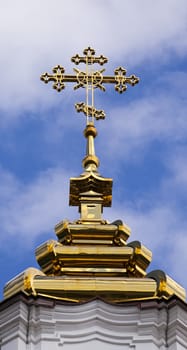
(142, 144)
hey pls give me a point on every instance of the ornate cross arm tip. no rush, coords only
(89, 57)
(120, 80)
(57, 77)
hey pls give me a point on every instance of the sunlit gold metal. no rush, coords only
(79, 288)
(90, 80)
(91, 258)
(90, 191)
(90, 181)
(90, 111)
(89, 57)
(103, 233)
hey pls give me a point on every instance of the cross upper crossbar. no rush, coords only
(89, 57)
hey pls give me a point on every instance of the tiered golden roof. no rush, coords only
(91, 257)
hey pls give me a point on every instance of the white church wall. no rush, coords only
(29, 323)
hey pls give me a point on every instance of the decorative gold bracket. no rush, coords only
(89, 80)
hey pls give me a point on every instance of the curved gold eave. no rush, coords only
(90, 181)
(129, 261)
(34, 282)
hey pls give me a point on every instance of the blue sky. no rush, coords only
(142, 144)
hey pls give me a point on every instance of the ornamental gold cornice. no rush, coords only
(166, 286)
(84, 289)
(93, 256)
(90, 181)
(98, 258)
(22, 282)
(156, 285)
(115, 233)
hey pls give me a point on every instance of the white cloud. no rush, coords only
(158, 116)
(178, 167)
(179, 256)
(41, 34)
(28, 210)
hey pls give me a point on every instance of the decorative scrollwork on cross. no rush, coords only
(95, 79)
(90, 111)
(90, 80)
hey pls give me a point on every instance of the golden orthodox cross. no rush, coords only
(90, 80)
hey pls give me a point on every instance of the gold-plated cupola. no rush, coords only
(91, 257)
